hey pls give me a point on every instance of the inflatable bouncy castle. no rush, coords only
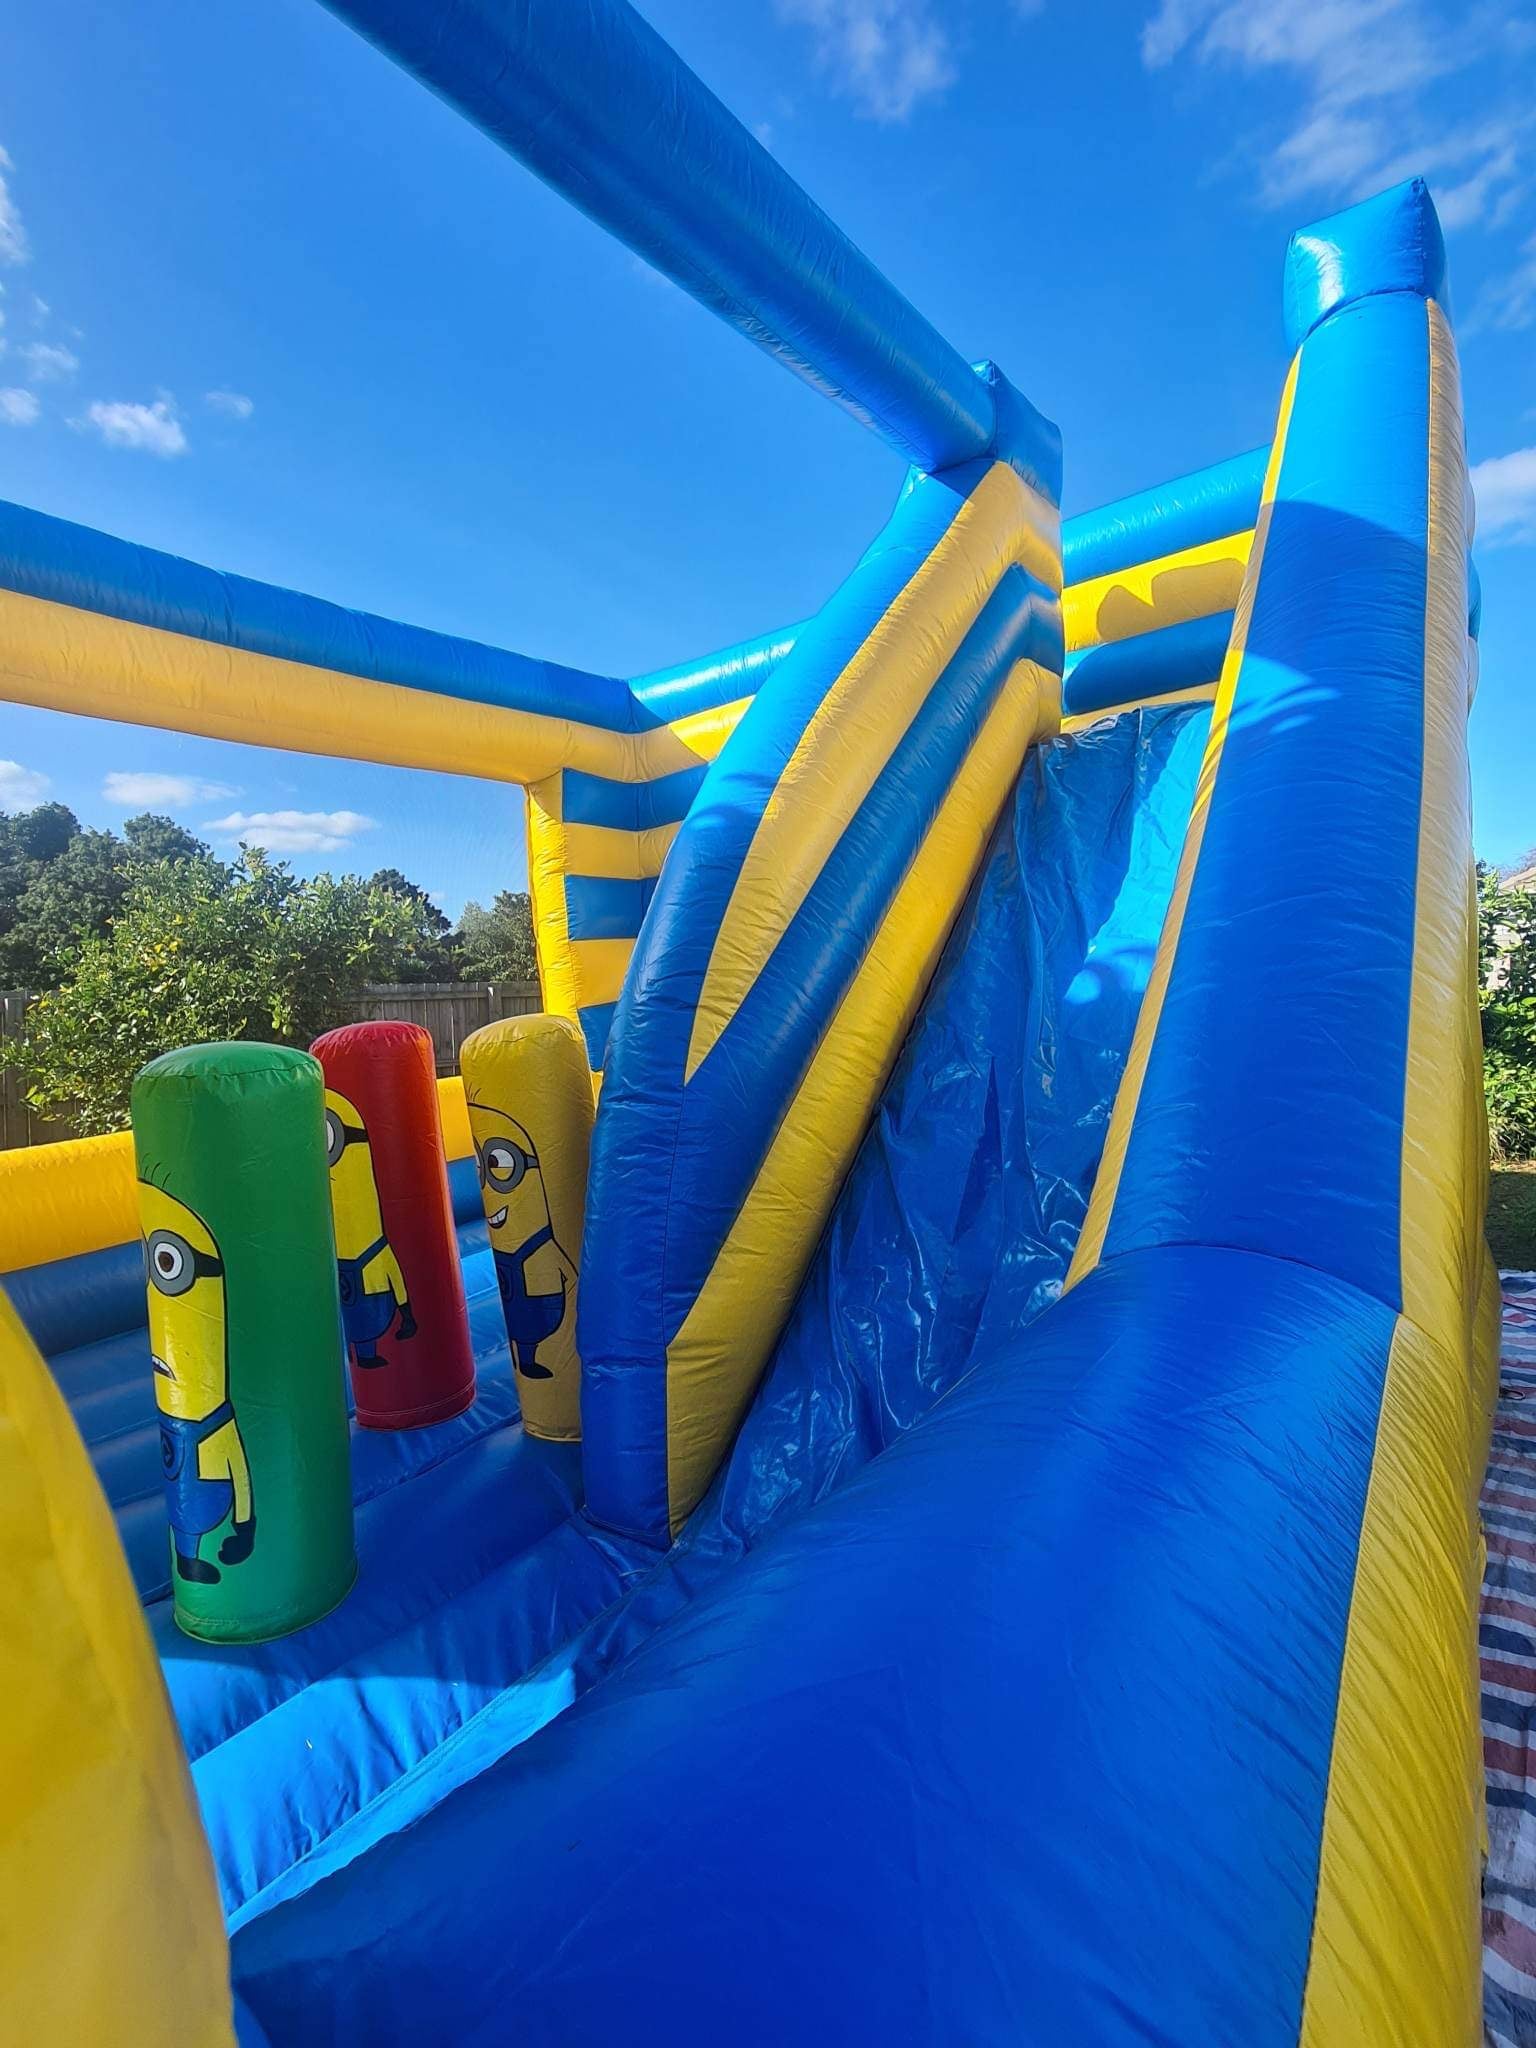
(944, 1512)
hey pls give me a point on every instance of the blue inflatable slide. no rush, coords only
(1014, 1576)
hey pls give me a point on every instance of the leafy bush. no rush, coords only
(1507, 993)
(197, 950)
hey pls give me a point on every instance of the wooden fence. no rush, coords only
(450, 1010)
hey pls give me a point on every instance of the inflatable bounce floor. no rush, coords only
(947, 1510)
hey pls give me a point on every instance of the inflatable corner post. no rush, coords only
(244, 1338)
(402, 1294)
(1030, 1274)
(530, 1113)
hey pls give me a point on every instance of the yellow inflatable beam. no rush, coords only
(57, 1201)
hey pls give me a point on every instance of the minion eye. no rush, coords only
(172, 1266)
(335, 1138)
(505, 1165)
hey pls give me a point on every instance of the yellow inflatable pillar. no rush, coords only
(530, 1112)
(110, 1926)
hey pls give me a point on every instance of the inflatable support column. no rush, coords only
(243, 1332)
(402, 1293)
(530, 1112)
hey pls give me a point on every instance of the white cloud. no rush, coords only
(48, 363)
(153, 428)
(293, 831)
(134, 787)
(1363, 69)
(1505, 489)
(18, 408)
(20, 787)
(13, 236)
(234, 404)
(887, 56)
(1507, 303)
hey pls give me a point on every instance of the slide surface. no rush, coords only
(954, 1231)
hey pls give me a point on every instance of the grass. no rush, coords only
(1512, 1217)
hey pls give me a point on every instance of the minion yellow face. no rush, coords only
(187, 1329)
(354, 1192)
(511, 1185)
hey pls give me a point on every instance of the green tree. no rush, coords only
(60, 885)
(1507, 995)
(197, 951)
(497, 944)
(438, 957)
(152, 836)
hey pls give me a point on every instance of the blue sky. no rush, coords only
(268, 304)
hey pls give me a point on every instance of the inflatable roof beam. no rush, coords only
(593, 101)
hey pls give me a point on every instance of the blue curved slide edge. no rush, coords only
(812, 1777)
(594, 102)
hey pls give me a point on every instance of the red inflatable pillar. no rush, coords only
(402, 1290)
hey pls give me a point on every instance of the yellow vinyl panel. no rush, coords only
(1195, 583)
(857, 727)
(110, 1924)
(58, 1201)
(63, 658)
(530, 1108)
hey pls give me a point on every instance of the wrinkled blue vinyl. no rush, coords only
(953, 1232)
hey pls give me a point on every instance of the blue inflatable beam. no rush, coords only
(594, 102)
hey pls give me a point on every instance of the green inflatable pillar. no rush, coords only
(245, 1328)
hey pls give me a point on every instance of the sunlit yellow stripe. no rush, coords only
(702, 734)
(1440, 1263)
(113, 1929)
(547, 858)
(714, 1361)
(1106, 1184)
(858, 726)
(609, 850)
(1195, 583)
(1197, 693)
(600, 966)
(63, 658)
(1396, 1947)
(57, 1201)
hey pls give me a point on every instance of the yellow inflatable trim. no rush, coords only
(63, 658)
(57, 1201)
(858, 726)
(714, 1361)
(113, 1927)
(1195, 583)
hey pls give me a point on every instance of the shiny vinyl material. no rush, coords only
(402, 1297)
(245, 1356)
(529, 1093)
(1018, 1583)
